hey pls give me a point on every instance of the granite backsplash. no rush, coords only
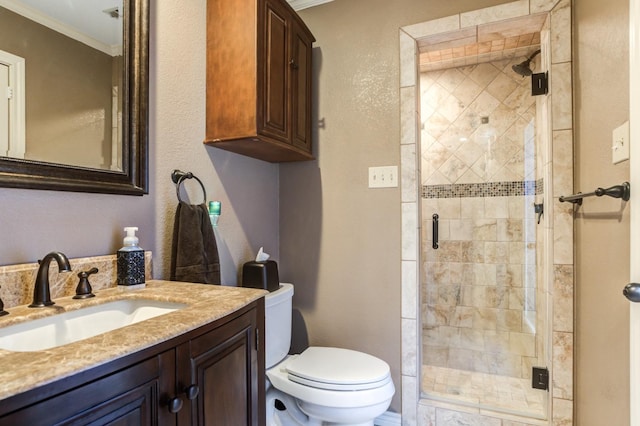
(17, 281)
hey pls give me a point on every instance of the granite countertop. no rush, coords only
(23, 371)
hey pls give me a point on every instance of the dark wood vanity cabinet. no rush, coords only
(259, 80)
(213, 375)
(221, 374)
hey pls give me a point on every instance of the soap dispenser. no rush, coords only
(130, 260)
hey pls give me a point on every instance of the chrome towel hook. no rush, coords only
(178, 176)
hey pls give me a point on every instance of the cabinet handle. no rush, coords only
(175, 405)
(293, 64)
(192, 392)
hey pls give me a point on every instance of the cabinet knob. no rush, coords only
(293, 64)
(175, 405)
(192, 392)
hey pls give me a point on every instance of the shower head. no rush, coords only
(523, 67)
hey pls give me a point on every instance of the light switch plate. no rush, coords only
(620, 143)
(383, 177)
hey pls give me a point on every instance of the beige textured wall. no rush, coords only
(339, 240)
(602, 230)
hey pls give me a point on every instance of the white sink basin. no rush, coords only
(68, 327)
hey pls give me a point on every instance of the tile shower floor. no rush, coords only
(487, 391)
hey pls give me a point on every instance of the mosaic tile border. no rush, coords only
(486, 189)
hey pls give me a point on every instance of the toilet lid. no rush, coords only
(338, 369)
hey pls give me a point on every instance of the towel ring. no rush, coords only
(177, 176)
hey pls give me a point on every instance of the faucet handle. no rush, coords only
(83, 290)
(2, 311)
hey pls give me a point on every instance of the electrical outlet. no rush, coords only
(383, 177)
(620, 144)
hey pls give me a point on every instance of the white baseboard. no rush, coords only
(388, 419)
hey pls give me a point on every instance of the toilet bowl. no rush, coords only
(322, 384)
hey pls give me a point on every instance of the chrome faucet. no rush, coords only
(41, 290)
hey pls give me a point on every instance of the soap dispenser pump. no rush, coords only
(130, 260)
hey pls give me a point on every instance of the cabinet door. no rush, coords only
(301, 89)
(126, 397)
(224, 366)
(275, 75)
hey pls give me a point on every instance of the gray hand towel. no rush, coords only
(194, 255)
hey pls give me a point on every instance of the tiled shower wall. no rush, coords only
(479, 175)
(479, 287)
(456, 146)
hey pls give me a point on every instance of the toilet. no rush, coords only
(322, 385)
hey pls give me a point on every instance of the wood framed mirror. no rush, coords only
(122, 167)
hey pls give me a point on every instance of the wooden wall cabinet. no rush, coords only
(259, 80)
(213, 375)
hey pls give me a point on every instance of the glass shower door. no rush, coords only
(483, 289)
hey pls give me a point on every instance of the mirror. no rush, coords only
(76, 118)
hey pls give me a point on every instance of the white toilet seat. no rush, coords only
(340, 395)
(338, 387)
(338, 369)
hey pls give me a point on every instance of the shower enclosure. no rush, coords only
(487, 310)
(483, 302)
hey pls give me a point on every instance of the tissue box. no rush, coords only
(261, 275)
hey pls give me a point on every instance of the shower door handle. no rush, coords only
(434, 228)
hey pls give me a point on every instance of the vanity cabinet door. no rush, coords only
(226, 365)
(126, 397)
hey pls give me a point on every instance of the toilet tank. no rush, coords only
(278, 305)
